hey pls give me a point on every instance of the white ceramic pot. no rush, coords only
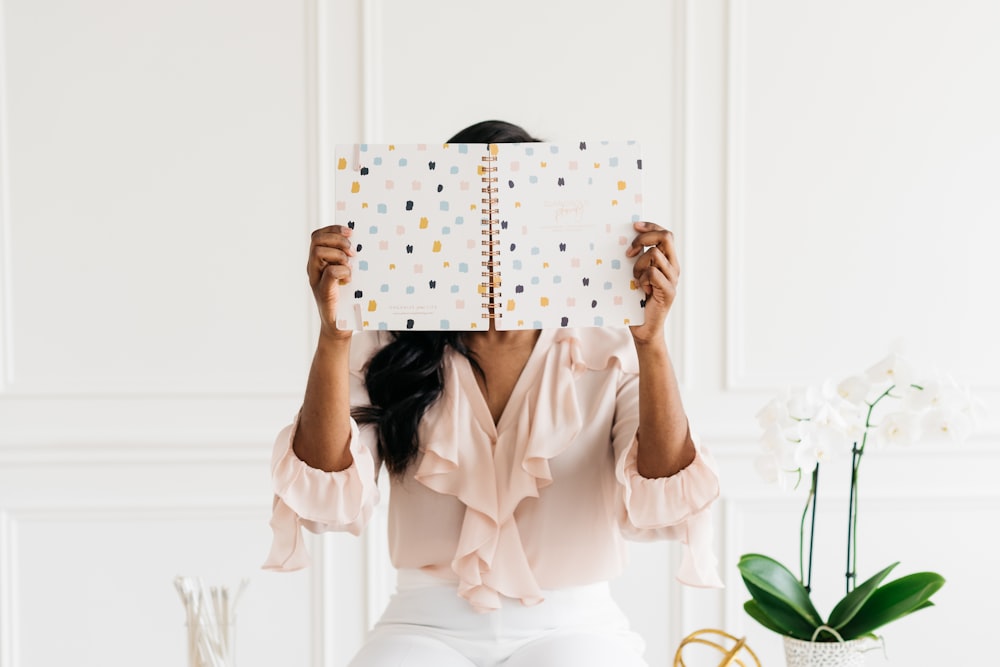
(799, 653)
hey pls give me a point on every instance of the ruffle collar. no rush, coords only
(491, 469)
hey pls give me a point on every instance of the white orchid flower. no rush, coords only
(818, 448)
(942, 423)
(939, 394)
(767, 468)
(774, 412)
(777, 463)
(823, 441)
(850, 404)
(794, 431)
(803, 402)
(776, 444)
(829, 417)
(854, 417)
(773, 441)
(893, 370)
(804, 426)
(856, 390)
(897, 428)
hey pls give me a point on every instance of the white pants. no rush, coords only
(428, 625)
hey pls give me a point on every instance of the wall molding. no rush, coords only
(737, 378)
(741, 483)
(318, 148)
(681, 214)
(316, 153)
(13, 515)
(680, 186)
(198, 453)
(373, 94)
(8, 592)
(6, 346)
(735, 212)
(152, 395)
(679, 597)
(33, 432)
(379, 576)
(322, 604)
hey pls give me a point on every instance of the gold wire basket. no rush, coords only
(732, 656)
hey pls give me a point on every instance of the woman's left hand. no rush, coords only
(656, 272)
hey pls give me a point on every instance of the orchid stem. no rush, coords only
(812, 527)
(851, 572)
(802, 535)
(805, 576)
(852, 520)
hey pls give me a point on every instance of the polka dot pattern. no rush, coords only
(562, 221)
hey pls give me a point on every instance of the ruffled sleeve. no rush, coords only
(672, 508)
(320, 501)
(665, 501)
(317, 500)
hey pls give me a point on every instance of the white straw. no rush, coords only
(210, 613)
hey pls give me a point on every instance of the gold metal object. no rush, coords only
(733, 656)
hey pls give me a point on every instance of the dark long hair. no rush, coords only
(406, 376)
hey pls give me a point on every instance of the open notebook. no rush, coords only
(532, 235)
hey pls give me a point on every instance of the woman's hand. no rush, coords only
(656, 273)
(329, 254)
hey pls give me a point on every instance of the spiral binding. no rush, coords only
(490, 243)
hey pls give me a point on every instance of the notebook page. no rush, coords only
(566, 215)
(416, 214)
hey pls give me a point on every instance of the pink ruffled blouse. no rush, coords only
(541, 500)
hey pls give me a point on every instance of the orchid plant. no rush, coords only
(806, 427)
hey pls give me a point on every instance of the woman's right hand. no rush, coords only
(328, 267)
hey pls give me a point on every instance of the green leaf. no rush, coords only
(754, 611)
(893, 601)
(774, 578)
(781, 614)
(852, 602)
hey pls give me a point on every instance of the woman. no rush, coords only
(519, 461)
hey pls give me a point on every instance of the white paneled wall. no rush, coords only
(829, 168)
(158, 180)
(860, 184)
